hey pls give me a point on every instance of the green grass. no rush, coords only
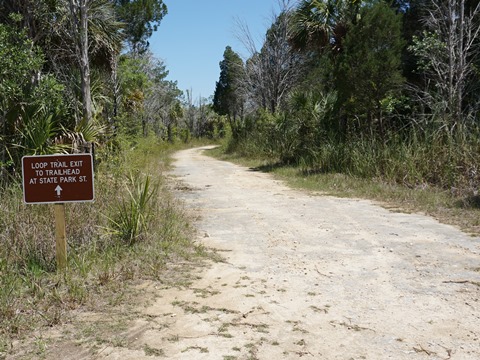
(149, 351)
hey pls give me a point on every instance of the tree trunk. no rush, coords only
(79, 13)
(169, 133)
(461, 65)
(116, 88)
(3, 146)
(84, 63)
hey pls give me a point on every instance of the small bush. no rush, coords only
(133, 214)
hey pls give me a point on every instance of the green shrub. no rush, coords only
(131, 220)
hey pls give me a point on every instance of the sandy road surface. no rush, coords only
(309, 277)
(321, 277)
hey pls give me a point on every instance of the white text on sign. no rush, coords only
(64, 172)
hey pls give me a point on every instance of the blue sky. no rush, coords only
(192, 38)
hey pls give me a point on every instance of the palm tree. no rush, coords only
(104, 44)
(105, 36)
(320, 24)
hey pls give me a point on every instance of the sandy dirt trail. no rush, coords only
(322, 277)
(311, 277)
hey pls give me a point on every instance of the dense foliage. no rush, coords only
(77, 76)
(78, 72)
(381, 89)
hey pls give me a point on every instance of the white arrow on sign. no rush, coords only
(58, 189)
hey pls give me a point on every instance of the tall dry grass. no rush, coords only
(153, 235)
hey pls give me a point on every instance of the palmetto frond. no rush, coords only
(317, 24)
(40, 131)
(105, 36)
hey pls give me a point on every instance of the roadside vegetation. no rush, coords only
(135, 230)
(77, 76)
(363, 98)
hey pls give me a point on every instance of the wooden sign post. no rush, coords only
(58, 179)
(60, 236)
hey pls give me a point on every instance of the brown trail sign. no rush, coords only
(57, 178)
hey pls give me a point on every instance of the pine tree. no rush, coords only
(229, 94)
(370, 64)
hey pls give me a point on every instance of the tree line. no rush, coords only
(79, 72)
(374, 88)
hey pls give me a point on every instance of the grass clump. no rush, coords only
(132, 215)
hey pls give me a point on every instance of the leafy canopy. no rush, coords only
(19, 60)
(141, 19)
